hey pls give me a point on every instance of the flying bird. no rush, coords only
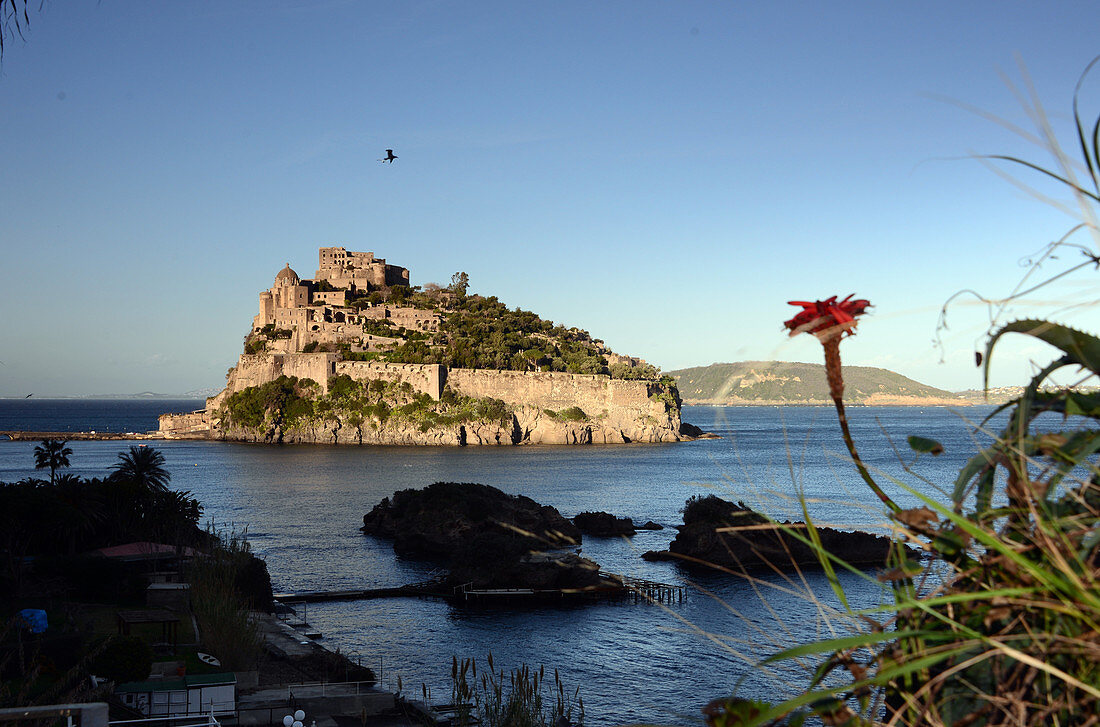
(389, 156)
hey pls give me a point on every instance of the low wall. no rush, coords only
(191, 423)
(547, 390)
(425, 378)
(259, 368)
(595, 394)
(617, 406)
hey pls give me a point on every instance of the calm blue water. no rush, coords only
(302, 506)
(82, 415)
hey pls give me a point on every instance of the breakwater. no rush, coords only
(15, 435)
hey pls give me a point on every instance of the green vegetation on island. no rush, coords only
(289, 402)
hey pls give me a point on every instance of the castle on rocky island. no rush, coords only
(339, 327)
(336, 306)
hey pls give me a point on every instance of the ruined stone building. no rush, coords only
(330, 310)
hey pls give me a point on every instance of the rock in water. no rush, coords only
(604, 524)
(705, 538)
(485, 536)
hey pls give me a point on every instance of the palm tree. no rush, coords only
(54, 454)
(142, 466)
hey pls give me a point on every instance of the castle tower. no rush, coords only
(287, 293)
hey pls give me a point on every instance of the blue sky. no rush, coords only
(664, 175)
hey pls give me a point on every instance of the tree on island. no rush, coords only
(52, 454)
(143, 466)
(460, 282)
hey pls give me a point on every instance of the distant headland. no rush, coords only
(784, 383)
(356, 355)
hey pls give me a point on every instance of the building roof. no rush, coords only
(288, 275)
(172, 685)
(146, 551)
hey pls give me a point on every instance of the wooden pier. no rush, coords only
(612, 587)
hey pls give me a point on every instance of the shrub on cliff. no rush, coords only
(286, 400)
(713, 510)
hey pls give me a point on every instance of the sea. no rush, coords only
(301, 508)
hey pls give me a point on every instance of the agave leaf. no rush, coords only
(1047, 172)
(975, 465)
(1083, 348)
(1092, 160)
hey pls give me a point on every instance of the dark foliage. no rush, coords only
(482, 333)
(713, 510)
(125, 659)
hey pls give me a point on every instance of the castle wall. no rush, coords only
(196, 422)
(260, 368)
(595, 394)
(425, 378)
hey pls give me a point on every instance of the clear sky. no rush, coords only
(663, 174)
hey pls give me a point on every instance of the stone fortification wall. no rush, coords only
(548, 390)
(616, 410)
(259, 368)
(192, 423)
(618, 405)
(425, 378)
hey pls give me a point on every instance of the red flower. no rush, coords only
(827, 318)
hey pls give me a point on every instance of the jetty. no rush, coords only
(612, 587)
(21, 436)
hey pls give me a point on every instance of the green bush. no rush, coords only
(573, 414)
(124, 659)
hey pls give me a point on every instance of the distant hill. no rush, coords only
(784, 382)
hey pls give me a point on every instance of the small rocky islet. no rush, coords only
(487, 538)
(720, 534)
(490, 539)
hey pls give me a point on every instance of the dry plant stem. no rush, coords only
(836, 391)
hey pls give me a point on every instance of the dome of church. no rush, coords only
(287, 276)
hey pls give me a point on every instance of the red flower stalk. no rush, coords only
(827, 318)
(831, 321)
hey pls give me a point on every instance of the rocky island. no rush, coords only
(731, 536)
(487, 538)
(358, 356)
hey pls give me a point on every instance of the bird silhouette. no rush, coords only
(389, 156)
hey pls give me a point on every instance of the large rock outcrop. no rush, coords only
(727, 535)
(604, 524)
(486, 537)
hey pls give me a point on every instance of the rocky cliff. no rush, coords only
(393, 406)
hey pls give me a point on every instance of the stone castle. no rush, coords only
(304, 328)
(335, 307)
